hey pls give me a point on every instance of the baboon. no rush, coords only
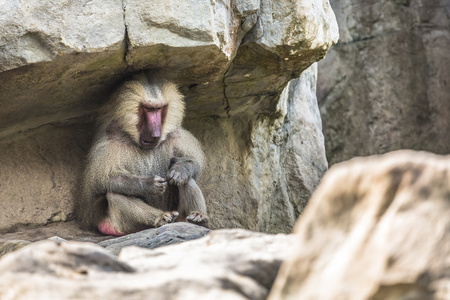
(143, 166)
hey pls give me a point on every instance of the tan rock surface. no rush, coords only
(376, 228)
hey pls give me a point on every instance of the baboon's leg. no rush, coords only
(128, 214)
(192, 203)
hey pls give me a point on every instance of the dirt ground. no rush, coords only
(66, 230)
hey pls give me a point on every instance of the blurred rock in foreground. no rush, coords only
(376, 228)
(226, 264)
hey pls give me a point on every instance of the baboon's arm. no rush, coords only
(137, 186)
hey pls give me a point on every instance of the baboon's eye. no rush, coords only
(150, 108)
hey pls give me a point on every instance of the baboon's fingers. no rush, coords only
(160, 185)
(170, 217)
(171, 177)
(159, 179)
(176, 178)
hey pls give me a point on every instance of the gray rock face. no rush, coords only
(384, 86)
(36, 32)
(288, 159)
(376, 228)
(60, 61)
(153, 238)
(50, 52)
(226, 264)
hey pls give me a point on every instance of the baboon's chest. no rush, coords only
(155, 162)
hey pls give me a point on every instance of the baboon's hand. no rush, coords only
(159, 184)
(198, 218)
(166, 217)
(177, 176)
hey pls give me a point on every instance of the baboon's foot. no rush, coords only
(198, 218)
(166, 218)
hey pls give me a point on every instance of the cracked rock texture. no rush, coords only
(226, 264)
(376, 228)
(60, 60)
(385, 85)
(168, 234)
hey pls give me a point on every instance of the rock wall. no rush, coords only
(59, 62)
(40, 171)
(385, 85)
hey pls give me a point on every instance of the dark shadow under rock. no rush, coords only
(156, 237)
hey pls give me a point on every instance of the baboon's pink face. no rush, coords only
(150, 125)
(148, 110)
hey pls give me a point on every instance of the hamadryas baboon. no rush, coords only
(143, 166)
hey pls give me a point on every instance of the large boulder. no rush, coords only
(376, 228)
(226, 264)
(385, 86)
(59, 62)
